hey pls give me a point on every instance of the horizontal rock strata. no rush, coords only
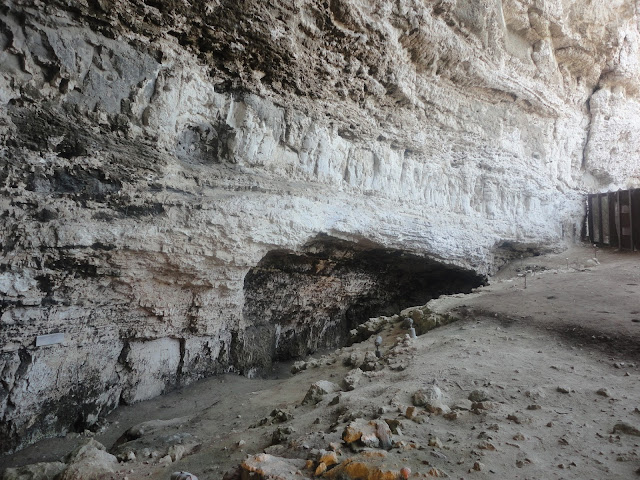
(153, 154)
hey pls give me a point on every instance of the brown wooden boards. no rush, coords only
(613, 219)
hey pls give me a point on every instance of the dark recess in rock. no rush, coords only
(506, 252)
(298, 303)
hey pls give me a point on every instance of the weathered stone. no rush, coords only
(372, 434)
(410, 412)
(276, 416)
(298, 367)
(486, 446)
(367, 329)
(515, 418)
(281, 435)
(394, 424)
(453, 415)
(36, 471)
(329, 458)
(435, 442)
(431, 398)
(89, 462)
(170, 438)
(370, 362)
(363, 466)
(267, 467)
(352, 360)
(479, 395)
(352, 379)
(437, 473)
(318, 390)
(383, 432)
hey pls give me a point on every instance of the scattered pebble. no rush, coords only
(435, 442)
(478, 395)
(487, 446)
(514, 418)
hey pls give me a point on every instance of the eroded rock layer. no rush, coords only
(152, 154)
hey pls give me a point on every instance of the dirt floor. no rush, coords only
(535, 382)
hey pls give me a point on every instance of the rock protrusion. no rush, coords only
(318, 390)
(431, 399)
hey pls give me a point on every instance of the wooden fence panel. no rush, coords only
(613, 219)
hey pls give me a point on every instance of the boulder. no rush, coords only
(318, 390)
(431, 399)
(90, 461)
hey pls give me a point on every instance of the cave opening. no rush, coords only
(297, 303)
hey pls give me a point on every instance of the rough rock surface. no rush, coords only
(507, 346)
(152, 155)
(318, 390)
(37, 471)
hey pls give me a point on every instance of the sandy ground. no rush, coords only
(556, 361)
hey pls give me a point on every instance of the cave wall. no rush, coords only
(153, 153)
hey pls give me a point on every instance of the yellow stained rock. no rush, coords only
(434, 472)
(357, 470)
(322, 467)
(410, 412)
(329, 458)
(351, 434)
(373, 454)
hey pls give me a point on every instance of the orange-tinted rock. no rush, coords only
(273, 468)
(329, 458)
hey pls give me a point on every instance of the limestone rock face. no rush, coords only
(152, 154)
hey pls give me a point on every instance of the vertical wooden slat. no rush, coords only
(635, 199)
(613, 233)
(619, 225)
(630, 221)
(601, 231)
(590, 221)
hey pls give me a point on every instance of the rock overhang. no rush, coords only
(150, 161)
